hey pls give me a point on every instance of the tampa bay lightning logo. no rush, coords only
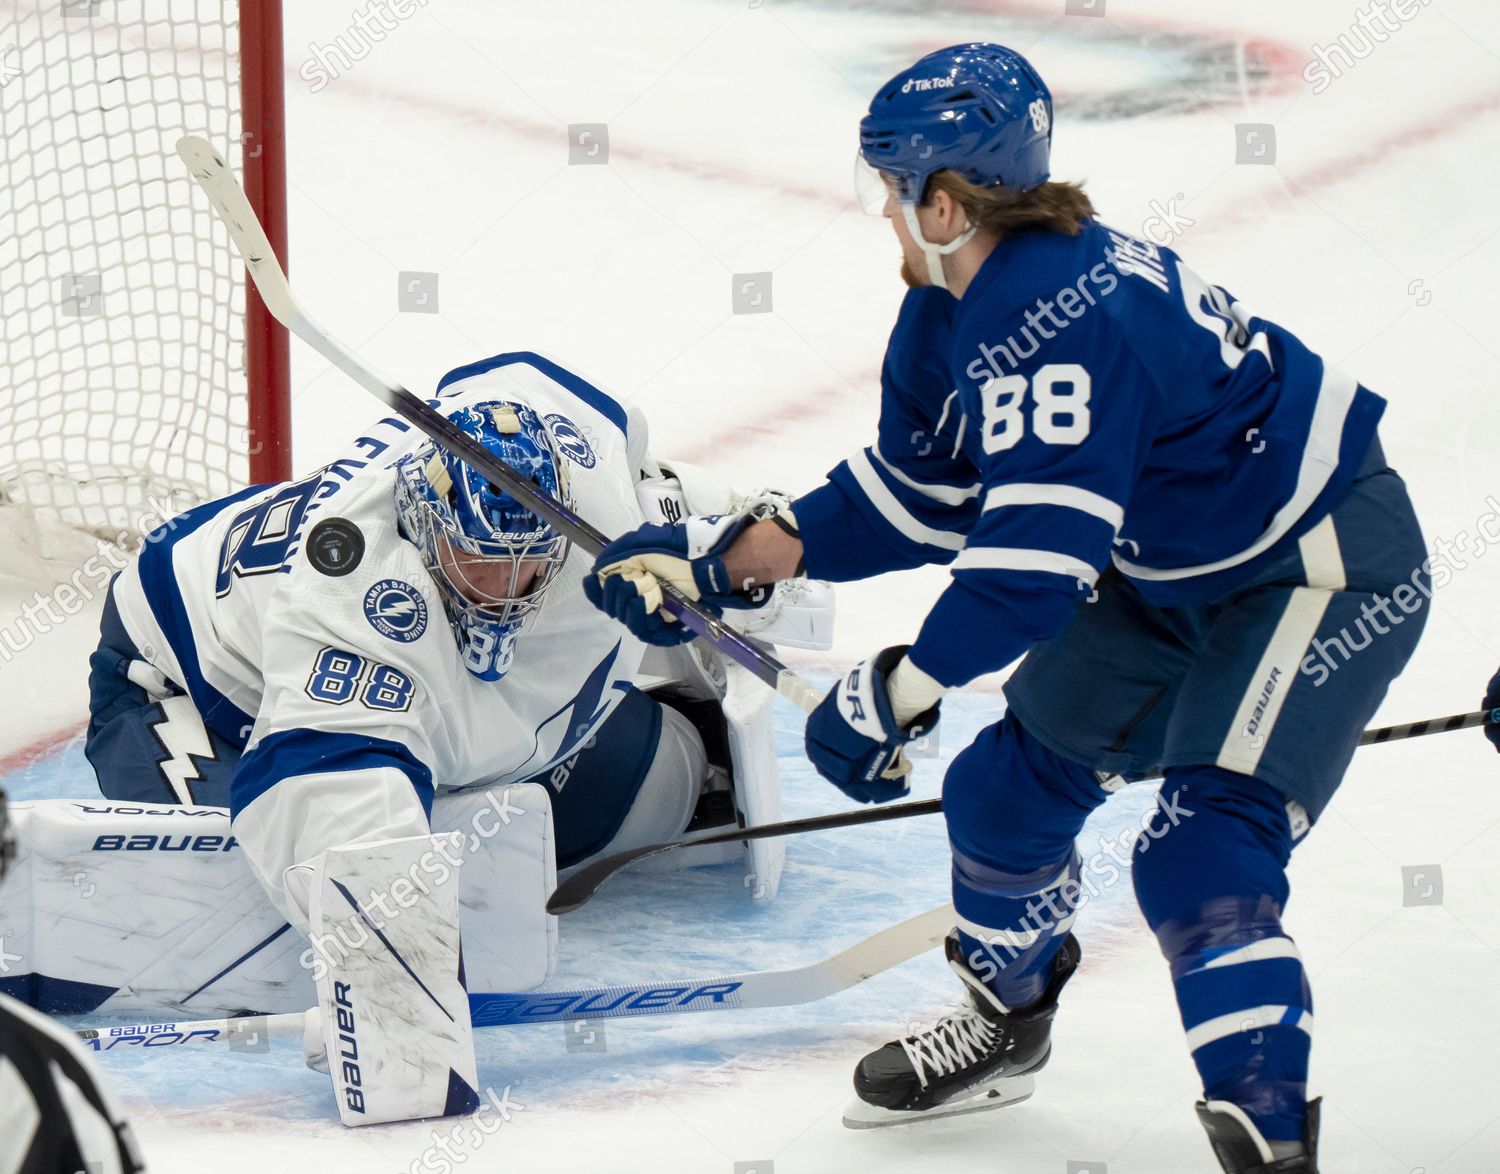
(571, 442)
(396, 610)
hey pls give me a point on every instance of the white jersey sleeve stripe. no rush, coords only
(893, 511)
(947, 405)
(945, 494)
(995, 558)
(1068, 496)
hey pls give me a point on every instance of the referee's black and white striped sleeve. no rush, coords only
(55, 1115)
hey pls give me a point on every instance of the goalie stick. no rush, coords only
(764, 988)
(576, 891)
(233, 208)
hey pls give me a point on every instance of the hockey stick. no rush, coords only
(764, 988)
(233, 208)
(583, 884)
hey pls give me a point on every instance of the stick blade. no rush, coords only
(233, 207)
(576, 891)
(200, 157)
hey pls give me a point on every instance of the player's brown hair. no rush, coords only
(1056, 206)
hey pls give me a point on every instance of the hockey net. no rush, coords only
(134, 380)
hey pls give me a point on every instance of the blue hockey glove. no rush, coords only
(629, 572)
(853, 738)
(1492, 703)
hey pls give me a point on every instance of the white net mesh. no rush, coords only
(122, 384)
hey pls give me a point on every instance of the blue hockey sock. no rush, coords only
(1013, 809)
(1209, 875)
(1026, 919)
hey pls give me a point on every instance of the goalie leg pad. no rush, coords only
(391, 996)
(693, 672)
(510, 868)
(757, 776)
(142, 908)
(155, 909)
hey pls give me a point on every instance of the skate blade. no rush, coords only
(1006, 1091)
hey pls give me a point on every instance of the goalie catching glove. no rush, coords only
(856, 738)
(628, 574)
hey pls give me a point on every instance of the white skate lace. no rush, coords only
(956, 1039)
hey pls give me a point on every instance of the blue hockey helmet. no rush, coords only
(978, 109)
(491, 558)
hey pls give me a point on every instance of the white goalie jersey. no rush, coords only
(309, 638)
(307, 629)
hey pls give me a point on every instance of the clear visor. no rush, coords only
(875, 190)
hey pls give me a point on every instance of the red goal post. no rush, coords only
(140, 372)
(267, 348)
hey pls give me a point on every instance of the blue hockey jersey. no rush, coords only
(1089, 399)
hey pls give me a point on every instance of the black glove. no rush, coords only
(1492, 703)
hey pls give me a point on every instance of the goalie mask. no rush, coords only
(491, 558)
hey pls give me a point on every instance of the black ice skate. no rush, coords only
(1242, 1150)
(981, 1056)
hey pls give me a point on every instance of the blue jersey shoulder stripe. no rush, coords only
(302, 751)
(159, 582)
(587, 392)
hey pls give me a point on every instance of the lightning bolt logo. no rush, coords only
(182, 736)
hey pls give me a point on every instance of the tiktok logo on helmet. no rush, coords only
(927, 83)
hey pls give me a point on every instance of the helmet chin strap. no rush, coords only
(934, 253)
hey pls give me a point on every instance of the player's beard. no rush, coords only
(909, 275)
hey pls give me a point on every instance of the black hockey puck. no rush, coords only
(335, 547)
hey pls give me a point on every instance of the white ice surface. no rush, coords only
(732, 139)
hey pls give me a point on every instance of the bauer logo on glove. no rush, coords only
(853, 737)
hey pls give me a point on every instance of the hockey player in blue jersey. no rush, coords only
(1179, 513)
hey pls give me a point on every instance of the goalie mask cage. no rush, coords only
(140, 373)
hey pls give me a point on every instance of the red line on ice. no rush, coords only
(768, 426)
(1421, 134)
(1278, 57)
(27, 755)
(1333, 172)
